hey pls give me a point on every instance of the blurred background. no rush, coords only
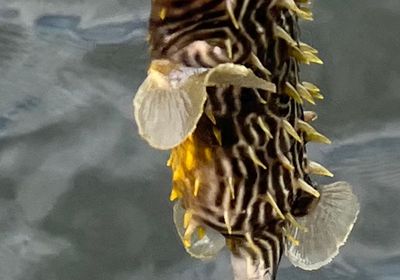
(82, 197)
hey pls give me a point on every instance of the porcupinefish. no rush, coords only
(223, 93)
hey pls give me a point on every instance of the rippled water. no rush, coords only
(82, 197)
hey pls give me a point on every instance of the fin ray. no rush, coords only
(202, 246)
(328, 227)
(169, 103)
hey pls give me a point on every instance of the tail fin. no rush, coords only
(256, 257)
(325, 228)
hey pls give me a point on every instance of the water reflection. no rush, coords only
(82, 197)
(68, 28)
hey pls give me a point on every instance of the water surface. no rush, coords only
(83, 198)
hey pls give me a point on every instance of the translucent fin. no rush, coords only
(327, 227)
(237, 75)
(169, 103)
(205, 244)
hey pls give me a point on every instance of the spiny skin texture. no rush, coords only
(239, 172)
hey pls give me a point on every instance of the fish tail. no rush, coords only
(256, 257)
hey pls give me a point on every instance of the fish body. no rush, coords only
(224, 94)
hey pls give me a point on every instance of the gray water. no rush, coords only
(83, 198)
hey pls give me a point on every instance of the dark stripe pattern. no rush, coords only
(252, 166)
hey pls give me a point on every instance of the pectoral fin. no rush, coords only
(325, 229)
(169, 103)
(205, 243)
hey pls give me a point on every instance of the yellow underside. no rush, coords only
(185, 161)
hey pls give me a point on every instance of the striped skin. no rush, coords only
(241, 159)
